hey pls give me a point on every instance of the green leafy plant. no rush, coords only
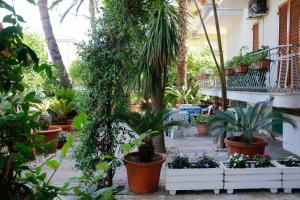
(141, 123)
(260, 54)
(262, 160)
(244, 58)
(248, 121)
(201, 119)
(181, 162)
(229, 64)
(289, 161)
(183, 95)
(66, 94)
(61, 108)
(206, 162)
(44, 118)
(237, 161)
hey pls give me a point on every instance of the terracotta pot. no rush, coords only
(229, 71)
(263, 64)
(235, 145)
(241, 69)
(202, 129)
(51, 137)
(134, 107)
(60, 144)
(143, 177)
(65, 127)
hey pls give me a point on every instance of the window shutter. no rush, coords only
(283, 19)
(255, 31)
(295, 25)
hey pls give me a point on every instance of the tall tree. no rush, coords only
(51, 42)
(160, 50)
(181, 68)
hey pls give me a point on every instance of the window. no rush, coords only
(255, 30)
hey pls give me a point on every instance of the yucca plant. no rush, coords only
(183, 95)
(44, 118)
(253, 120)
(142, 123)
(61, 108)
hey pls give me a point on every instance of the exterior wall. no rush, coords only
(241, 32)
(291, 137)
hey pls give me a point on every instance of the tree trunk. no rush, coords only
(92, 12)
(51, 42)
(157, 105)
(181, 68)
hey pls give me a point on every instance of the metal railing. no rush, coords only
(282, 75)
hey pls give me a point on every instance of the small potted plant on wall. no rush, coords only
(204, 173)
(243, 127)
(242, 61)
(201, 123)
(259, 59)
(144, 166)
(229, 67)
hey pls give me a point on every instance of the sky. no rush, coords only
(73, 27)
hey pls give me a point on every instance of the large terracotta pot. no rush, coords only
(241, 69)
(235, 145)
(134, 107)
(64, 126)
(202, 129)
(50, 137)
(263, 64)
(143, 177)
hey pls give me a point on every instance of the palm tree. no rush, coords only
(181, 68)
(52, 44)
(159, 51)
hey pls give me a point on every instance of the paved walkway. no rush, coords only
(192, 146)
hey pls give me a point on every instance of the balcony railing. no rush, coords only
(282, 75)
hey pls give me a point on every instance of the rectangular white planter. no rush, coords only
(194, 179)
(252, 178)
(290, 177)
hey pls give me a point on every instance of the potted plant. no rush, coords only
(290, 173)
(144, 166)
(242, 61)
(201, 123)
(229, 67)
(183, 95)
(50, 134)
(204, 173)
(259, 59)
(135, 104)
(259, 173)
(243, 127)
(61, 108)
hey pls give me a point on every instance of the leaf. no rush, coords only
(6, 6)
(52, 164)
(20, 18)
(103, 166)
(32, 2)
(126, 148)
(29, 97)
(38, 170)
(67, 146)
(42, 177)
(9, 19)
(80, 121)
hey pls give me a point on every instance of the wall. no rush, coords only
(241, 32)
(291, 137)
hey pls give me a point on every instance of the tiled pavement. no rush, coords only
(191, 146)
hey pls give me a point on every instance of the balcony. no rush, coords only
(280, 81)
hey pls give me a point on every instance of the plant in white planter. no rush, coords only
(290, 173)
(242, 173)
(204, 174)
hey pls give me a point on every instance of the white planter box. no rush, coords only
(290, 177)
(252, 178)
(194, 179)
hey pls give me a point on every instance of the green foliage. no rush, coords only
(237, 161)
(181, 162)
(289, 161)
(78, 72)
(262, 161)
(109, 56)
(150, 120)
(255, 119)
(260, 54)
(206, 162)
(65, 94)
(182, 95)
(61, 108)
(201, 119)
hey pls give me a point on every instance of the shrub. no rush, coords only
(181, 162)
(206, 162)
(289, 161)
(237, 161)
(262, 160)
(201, 119)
